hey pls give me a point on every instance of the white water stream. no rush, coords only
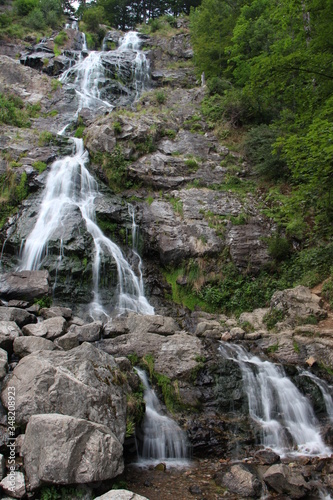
(284, 416)
(71, 187)
(163, 439)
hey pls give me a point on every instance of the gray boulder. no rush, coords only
(14, 485)
(9, 331)
(78, 383)
(240, 480)
(68, 341)
(59, 449)
(23, 346)
(297, 303)
(88, 333)
(50, 328)
(27, 285)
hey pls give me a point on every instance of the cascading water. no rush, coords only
(163, 439)
(325, 390)
(284, 416)
(69, 188)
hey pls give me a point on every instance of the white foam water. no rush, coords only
(163, 439)
(71, 187)
(284, 416)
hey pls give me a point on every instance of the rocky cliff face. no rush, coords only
(72, 378)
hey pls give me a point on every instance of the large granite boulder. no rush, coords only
(174, 356)
(78, 383)
(25, 285)
(50, 328)
(59, 449)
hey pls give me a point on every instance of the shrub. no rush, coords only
(273, 317)
(12, 111)
(160, 96)
(36, 20)
(61, 38)
(93, 17)
(117, 128)
(79, 132)
(327, 291)
(278, 248)
(259, 152)
(217, 85)
(40, 166)
(45, 138)
(23, 7)
(192, 164)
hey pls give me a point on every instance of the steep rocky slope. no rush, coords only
(72, 378)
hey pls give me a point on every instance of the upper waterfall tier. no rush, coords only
(71, 192)
(103, 78)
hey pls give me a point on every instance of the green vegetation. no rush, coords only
(44, 302)
(273, 317)
(79, 131)
(12, 111)
(169, 389)
(327, 291)
(114, 166)
(273, 348)
(177, 205)
(160, 96)
(61, 493)
(46, 138)
(117, 127)
(31, 18)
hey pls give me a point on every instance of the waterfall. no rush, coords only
(71, 188)
(325, 390)
(284, 416)
(163, 439)
(131, 41)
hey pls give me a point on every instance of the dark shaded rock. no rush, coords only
(267, 457)
(283, 479)
(195, 490)
(25, 285)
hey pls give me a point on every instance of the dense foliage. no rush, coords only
(269, 69)
(125, 14)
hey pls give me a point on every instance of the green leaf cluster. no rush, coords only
(269, 69)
